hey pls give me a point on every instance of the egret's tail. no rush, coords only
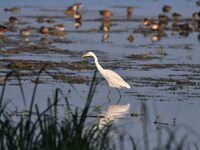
(127, 86)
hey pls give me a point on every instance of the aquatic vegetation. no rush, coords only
(44, 130)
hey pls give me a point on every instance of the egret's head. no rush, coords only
(88, 54)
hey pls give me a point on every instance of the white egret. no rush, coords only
(113, 79)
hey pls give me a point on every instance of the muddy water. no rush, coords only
(164, 74)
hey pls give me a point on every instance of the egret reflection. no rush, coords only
(113, 113)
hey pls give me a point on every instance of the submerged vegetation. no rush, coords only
(38, 129)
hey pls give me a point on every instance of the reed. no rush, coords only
(44, 130)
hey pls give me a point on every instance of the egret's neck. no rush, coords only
(97, 64)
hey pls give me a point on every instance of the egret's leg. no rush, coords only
(120, 96)
(108, 96)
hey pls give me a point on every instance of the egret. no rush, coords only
(113, 79)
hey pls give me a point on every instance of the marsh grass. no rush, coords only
(44, 130)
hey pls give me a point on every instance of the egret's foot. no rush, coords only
(108, 96)
(120, 96)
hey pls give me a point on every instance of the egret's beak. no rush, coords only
(84, 55)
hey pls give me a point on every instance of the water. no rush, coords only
(168, 84)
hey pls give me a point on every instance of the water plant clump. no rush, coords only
(38, 130)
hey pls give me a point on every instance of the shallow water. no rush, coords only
(168, 83)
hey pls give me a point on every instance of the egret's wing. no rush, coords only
(113, 75)
(115, 80)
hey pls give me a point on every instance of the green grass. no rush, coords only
(43, 130)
